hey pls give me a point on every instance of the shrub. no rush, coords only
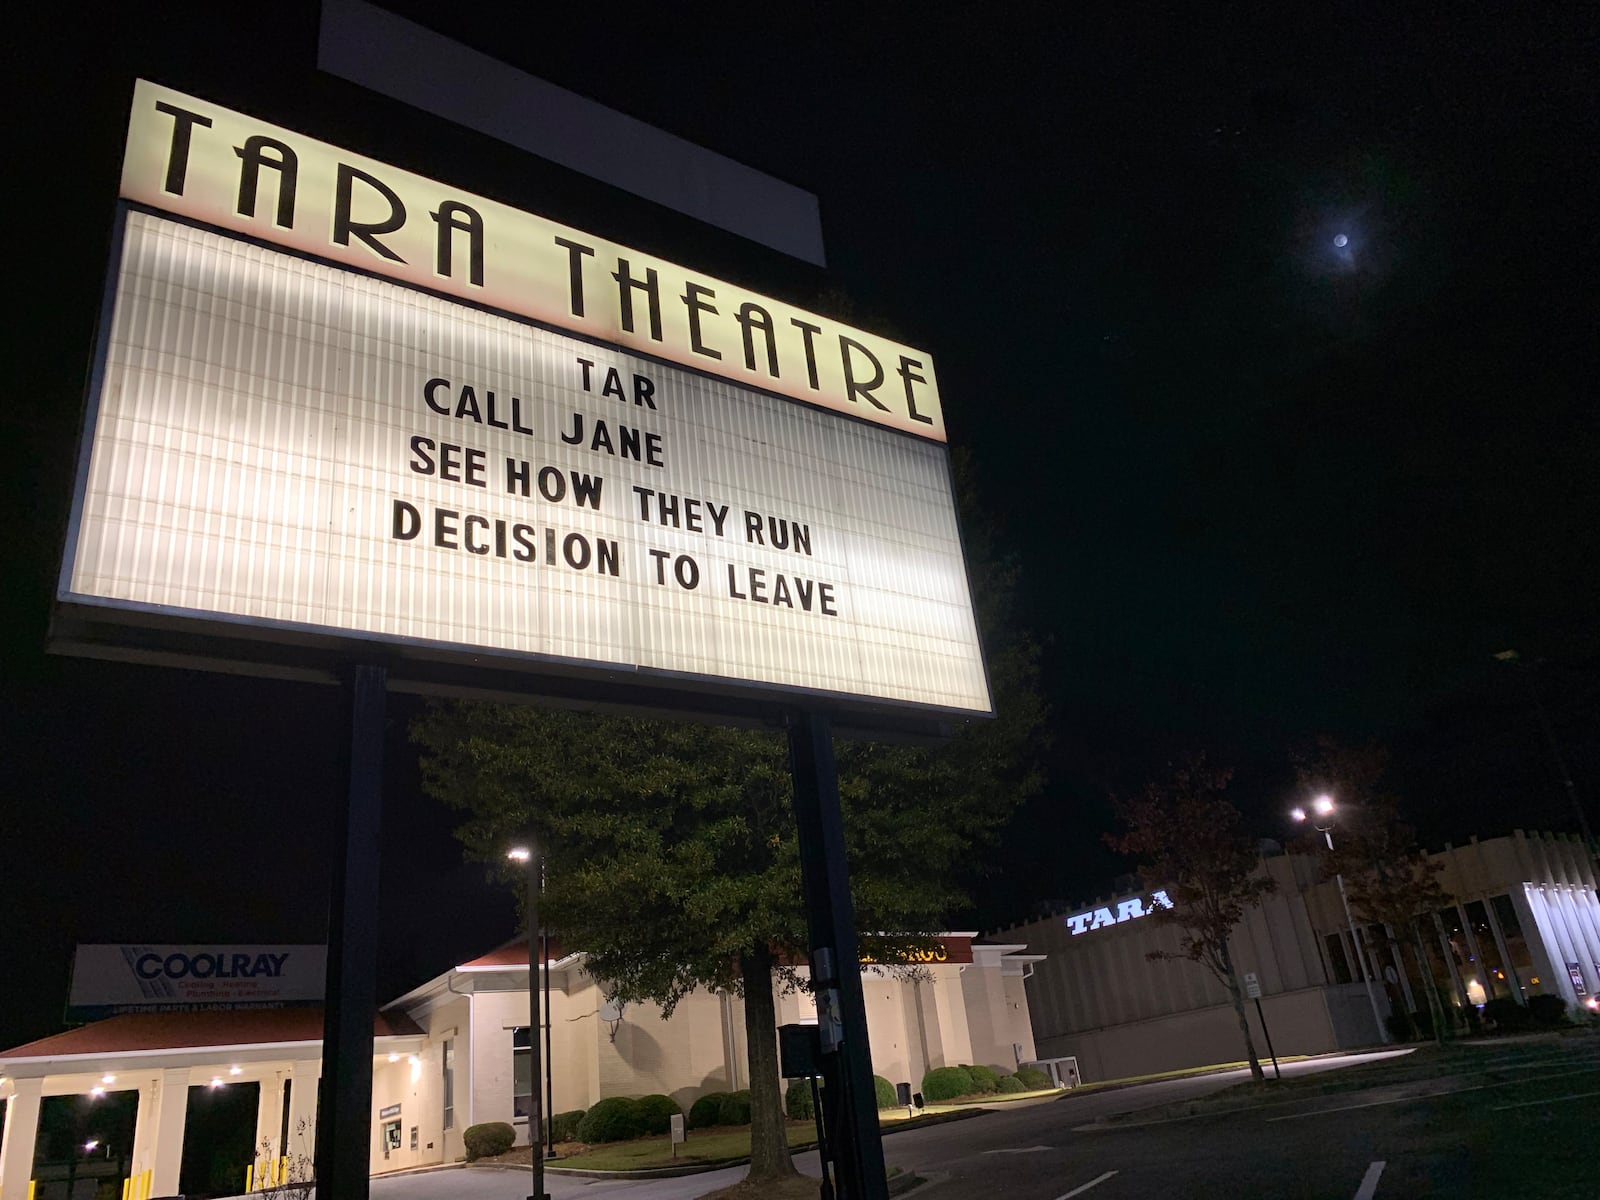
(707, 1110)
(797, 1101)
(1546, 1009)
(946, 1083)
(1399, 1025)
(886, 1093)
(735, 1108)
(658, 1112)
(488, 1139)
(1009, 1085)
(984, 1079)
(1506, 1014)
(1033, 1079)
(614, 1119)
(1422, 1021)
(564, 1126)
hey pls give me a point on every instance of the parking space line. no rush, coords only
(1547, 1100)
(1369, 1181)
(1078, 1191)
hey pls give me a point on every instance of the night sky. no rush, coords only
(1260, 487)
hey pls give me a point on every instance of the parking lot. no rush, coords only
(1490, 1119)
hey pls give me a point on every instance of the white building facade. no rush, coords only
(1522, 919)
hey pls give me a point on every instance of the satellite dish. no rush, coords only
(611, 1010)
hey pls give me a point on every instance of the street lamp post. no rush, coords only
(529, 856)
(549, 1087)
(1321, 817)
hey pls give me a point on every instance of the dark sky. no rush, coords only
(1259, 488)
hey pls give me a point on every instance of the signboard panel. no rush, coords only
(284, 444)
(110, 979)
(205, 162)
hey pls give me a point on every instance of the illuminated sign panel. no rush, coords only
(235, 173)
(280, 442)
(1130, 909)
(110, 979)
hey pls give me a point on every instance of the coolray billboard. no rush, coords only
(108, 979)
(405, 423)
(277, 443)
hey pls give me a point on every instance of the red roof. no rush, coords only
(515, 954)
(191, 1030)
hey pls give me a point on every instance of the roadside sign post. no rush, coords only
(1252, 988)
(848, 1092)
(344, 1111)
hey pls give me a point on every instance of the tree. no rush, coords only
(1390, 880)
(1186, 831)
(672, 857)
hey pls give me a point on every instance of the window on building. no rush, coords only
(521, 1073)
(1500, 981)
(1521, 965)
(448, 1058)
(1438, 965)
(1338, 961)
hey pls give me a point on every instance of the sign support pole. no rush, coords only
(536, 1113)
(1267, 1033)
(854, 1136)
(344, 1109)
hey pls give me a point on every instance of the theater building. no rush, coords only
(454, 1052)
(1523, 920)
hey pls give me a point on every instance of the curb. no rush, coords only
(701, 1168)
(1102, 1089)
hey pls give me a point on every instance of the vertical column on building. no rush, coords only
(1585, 938)
(730, 1039)
(144, 1126)
(301, 1150)
(1546, 946)
(930, 1032)
(166, 1146)
(269, 1128)
(22, 1130)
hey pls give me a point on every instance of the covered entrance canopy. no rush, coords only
(161, 1056)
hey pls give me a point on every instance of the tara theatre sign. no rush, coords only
(1130, 909)
(245, 176)
(405, 414)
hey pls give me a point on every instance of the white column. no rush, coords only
(144, 1124)
(269, 1124)
(22, 1128)
(166, 1150)
(302, 1147)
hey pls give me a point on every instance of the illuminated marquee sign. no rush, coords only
(1130, 909)
(279, 445)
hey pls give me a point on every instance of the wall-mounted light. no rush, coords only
(216, 1081)
(235, 1070)
(108, 1079)
(97, 1091)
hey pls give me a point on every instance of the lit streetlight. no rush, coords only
(528, 855)
(1321, 818)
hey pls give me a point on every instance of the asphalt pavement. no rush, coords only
(1520, 1121)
